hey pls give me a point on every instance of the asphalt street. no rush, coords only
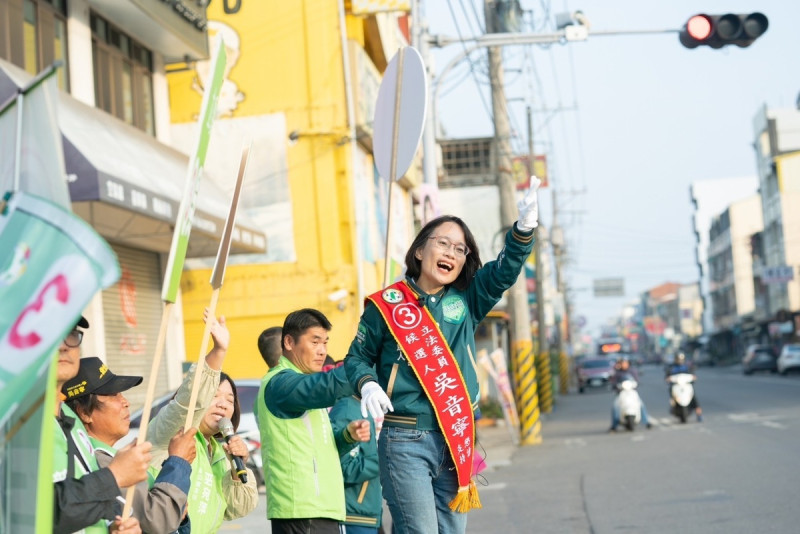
(736, 472)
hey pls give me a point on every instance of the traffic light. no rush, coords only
(717, 31)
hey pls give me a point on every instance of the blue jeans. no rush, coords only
(419, 480)
(615, 415)
(358, 529)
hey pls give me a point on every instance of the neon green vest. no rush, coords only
(206, 501)
(301, 464)
(60, 462)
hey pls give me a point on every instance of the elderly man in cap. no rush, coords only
(96, 396)
(85, 495)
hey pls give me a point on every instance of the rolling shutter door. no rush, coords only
(132, 311)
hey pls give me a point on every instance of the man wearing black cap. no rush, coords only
(86, 496)
(95, 395)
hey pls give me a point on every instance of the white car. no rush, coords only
(789, 358)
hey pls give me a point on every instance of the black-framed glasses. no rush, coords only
(74, 339)
(445, 243)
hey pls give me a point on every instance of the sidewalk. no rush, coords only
(493, 442)
(495, 445)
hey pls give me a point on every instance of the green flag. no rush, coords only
(31, 155)
(58, 263)
(183, 225)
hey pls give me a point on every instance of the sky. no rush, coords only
(627, 122)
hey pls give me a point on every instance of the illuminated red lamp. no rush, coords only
(699, 27)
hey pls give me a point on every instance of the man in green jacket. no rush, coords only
(86, 496)
(305, 489)
(96, 396)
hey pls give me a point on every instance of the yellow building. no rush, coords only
(311, 184)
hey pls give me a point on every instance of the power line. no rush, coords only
(469, 59)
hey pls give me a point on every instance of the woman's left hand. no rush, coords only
(236, 447)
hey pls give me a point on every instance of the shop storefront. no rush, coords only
(128, 187)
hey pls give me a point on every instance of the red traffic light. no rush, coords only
(699, 27)
(717, 31)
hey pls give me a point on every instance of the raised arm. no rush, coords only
(289, 394)
(172, 417)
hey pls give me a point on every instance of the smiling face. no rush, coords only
(440, 266)
(110, 420)
(309, 350)
(221, 406)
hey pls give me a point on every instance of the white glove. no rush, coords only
(374, 400)
(529, 207)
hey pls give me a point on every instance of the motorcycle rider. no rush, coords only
(678, 366)
(622, 370)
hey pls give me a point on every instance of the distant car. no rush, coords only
(702, 356)
(594, 372)
(759, 358)
(789, 359)
(635, 358)
(612, 347)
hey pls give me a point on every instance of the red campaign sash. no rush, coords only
(429, 355)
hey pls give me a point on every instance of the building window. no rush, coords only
(33, 34)
(123, 75)
(30, 39)
(60, 51)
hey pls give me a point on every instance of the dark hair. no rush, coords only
(85, 404)
(237, 410)
(269, 345)
(471, 263)
(299, 321)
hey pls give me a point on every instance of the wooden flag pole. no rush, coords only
(387, 266)
(216, 283)
(180, 236)
(151, 390)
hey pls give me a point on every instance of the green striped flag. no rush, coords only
(57, 264)
(183, 225)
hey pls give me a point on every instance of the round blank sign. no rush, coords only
(412, 88)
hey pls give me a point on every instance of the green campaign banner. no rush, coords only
(31, 155)
(56, 263)
(28, 497)
(183, 225)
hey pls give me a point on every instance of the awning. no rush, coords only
(175, 29)
(128, 185)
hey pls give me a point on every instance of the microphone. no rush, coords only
(421, 301)
(226, 428)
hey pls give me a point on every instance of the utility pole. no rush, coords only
(521, 344)
(559, 247)
(542, 331)
(542, 353)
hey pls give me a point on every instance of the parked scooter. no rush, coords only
(628, 403)
(681, 394)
